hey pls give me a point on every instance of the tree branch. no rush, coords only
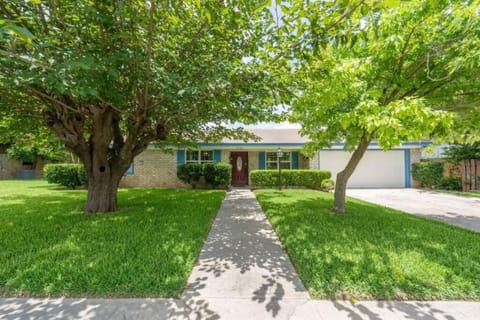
(345, 14)
(43, 21)
(24, 59)
(48, 97)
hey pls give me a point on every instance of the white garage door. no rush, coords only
(377, 169)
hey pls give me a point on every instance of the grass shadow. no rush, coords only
(49, 247)
(374, 252)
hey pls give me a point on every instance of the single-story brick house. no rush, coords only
(391, 169)
(9, 167)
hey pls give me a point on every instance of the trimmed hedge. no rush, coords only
(215, 174)
(301, 178)
(69, 175)
(190, 173)
(429, 174)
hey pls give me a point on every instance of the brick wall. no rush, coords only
(303, 162)
(8, 167)
(154, 168)
(415, 156)
(313, 162)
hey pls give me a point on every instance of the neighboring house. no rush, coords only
(9, 167)
(391, 169)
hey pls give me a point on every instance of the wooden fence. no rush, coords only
(470, 174)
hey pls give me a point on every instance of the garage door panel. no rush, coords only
(377, 169)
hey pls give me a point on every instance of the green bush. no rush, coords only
(451, 183)
(190, 173)
(82, 175)
(301, 178)
(217, 174)
(327, 185)
(265, 178)
(69, 175)
(428, 174)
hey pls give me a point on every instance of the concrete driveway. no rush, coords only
(457, 210)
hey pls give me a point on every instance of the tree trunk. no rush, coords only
(344, 175)
(103, 164)
(102, 194)
(95, 135)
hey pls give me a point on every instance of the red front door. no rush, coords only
(239, 168)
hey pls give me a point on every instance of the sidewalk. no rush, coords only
(242, 273)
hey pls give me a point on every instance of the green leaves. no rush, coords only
(183, 66)
(390, 84)
(16, 29)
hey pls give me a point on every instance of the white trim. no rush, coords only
(199, 156)
(284, 152)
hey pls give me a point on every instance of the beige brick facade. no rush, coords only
(415, 156)
(154, 168)
(303, 162)
(313, 162)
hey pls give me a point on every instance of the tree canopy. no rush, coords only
(391, 80)
(110, 77)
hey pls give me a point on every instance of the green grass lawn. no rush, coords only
(373, 252)
(49, 247)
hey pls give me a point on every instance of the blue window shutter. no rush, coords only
(180, 156)
(295, 160)
(217, 155)
(261, 160)
(130, 169)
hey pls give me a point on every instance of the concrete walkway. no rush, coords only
(457, 210)
(242, 273)
(243, 270)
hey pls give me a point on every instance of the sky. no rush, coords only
(272, 125)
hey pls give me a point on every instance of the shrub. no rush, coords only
(82, 175)
(327, 185)
(265, 178)
(69, 175)
(301, 178)
(451, 183)
(190, 173)
(429, 174)
(217, 174)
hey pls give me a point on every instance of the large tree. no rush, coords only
(388, 78)
(111, 77)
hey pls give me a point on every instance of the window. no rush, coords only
(271, 160)
(130, 169)
(199, 156)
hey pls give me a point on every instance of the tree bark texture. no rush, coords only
(345, 174)
(102, 192)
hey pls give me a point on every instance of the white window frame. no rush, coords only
(275, 162)
(199, 155)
